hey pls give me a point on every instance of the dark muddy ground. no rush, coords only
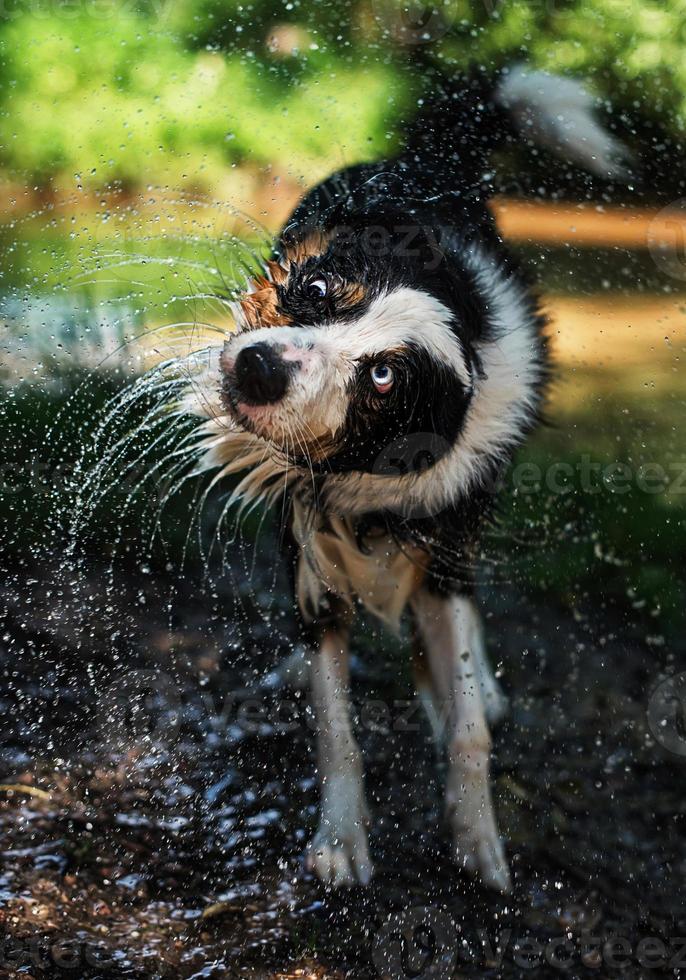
(163, 836)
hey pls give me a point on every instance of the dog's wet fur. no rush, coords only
(384, 368)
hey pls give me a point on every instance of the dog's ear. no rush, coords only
(277, 272)
(260, 306)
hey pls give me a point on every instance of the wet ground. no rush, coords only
(153, 824)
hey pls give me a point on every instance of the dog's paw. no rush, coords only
(479, 850)
(477, 846)
(340, 857)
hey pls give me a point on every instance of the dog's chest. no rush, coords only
(383, 575)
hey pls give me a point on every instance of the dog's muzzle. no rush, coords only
(261, 375)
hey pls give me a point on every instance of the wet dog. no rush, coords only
(384, 368)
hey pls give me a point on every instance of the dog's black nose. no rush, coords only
(261, 375)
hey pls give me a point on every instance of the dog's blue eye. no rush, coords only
(382, 377)
(317, 288)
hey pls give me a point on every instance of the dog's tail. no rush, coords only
(464, 121)
(557, 113)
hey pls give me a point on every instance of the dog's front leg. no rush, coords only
(339, 852)
(449, 629)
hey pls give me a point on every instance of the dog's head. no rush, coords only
(344, 346)
(358, 338)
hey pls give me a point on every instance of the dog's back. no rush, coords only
(443, 174)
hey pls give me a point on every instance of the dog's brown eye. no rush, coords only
(382, 377)
(317, 288)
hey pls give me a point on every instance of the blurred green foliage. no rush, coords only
(179, 91)
(599, 540)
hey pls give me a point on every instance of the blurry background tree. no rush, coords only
(182, 92)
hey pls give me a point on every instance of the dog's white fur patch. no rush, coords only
(557, 113)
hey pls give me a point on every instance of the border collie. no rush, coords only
(383, 370)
